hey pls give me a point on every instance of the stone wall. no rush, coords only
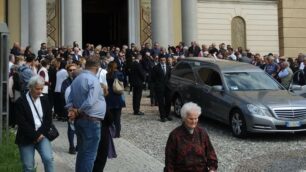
(14, 21)
(2, 10)
(261, 23)
(292, 27)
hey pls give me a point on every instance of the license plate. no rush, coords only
(293, 124)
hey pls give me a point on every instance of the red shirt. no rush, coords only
(189, 152)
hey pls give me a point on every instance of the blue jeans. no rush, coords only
(27, 153)
(88, 136)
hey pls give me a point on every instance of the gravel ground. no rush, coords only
(259, 152)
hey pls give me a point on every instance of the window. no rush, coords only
(210, 77)
(184, 70)
(250, 81)
(182, 65)
(189, 75)
(238, 32)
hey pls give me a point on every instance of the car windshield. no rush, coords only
(250, 81)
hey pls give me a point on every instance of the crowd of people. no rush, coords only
(78, 88)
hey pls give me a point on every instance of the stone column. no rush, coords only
(134, 22)
(37, 23)
(170, 23)
(189, 21)
(72, 22)
(159, 25)
(24, 37)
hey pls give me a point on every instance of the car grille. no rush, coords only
(290, 113)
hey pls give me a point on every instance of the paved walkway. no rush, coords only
(130, 158)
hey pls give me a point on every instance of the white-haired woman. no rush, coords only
(188, 147)
(33, 116)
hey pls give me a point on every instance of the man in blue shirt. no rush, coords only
(271, 68)
(87, 107)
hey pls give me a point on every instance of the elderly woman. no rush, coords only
(188, 147)
(33, 116)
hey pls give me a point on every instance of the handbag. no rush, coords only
(52, 132)
(118, 86)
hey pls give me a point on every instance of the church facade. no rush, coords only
(263, 26)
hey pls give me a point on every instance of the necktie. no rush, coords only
(164, 68)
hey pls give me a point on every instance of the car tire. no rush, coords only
(238, 124)
(177, 106)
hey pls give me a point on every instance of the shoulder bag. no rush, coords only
(118, 86)
(52, 132)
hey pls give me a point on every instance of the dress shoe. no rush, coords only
(72, 150)
(139, 113)
(162, 119)
(169, 118)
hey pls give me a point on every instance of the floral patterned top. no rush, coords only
(189, 152)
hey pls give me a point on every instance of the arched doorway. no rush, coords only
(105, 22)
(238, 32)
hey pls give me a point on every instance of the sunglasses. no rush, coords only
(71, 70)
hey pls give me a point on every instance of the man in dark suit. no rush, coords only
(43, 51)
(120, 61)
(137, 79)
(76, 57)
(160, 76)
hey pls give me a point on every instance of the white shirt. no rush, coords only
(232, 57)
(301, 67)
(67, 92)
(10, 66)
(101, 75)
(37, 103)
(61, 75)
(164, 68)
(46, 78)
(283, 73)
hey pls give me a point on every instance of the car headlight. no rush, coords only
(255, 110)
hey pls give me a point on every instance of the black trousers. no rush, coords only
(164, 102)
(137, 93)
(59, 105)
(51, 98)
(101, 157)
(116, 116)
(102, 153)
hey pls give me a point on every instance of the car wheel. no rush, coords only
(238, 124)
(177, 106)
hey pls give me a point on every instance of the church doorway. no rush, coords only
(105, 22)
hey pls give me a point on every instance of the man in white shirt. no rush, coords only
(231, 56)
(101, 75)
(59, 104)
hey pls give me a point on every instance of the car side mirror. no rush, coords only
(217, 88)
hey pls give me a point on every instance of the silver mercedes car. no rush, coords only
(238, 94)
